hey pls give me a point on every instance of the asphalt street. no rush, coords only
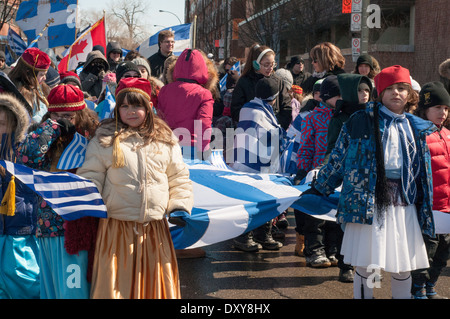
(226, 273)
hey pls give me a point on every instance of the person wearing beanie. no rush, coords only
(385, 206)
(29, 76)
(286, 77)
(63, 243)
(310, 155)
(19, 253)
(69, 77)
(52, 78)
(145, 70)
(95, 69)
(316, 90)
(127, 69)
(257, 122)
(114, 55)
(434, 102)
(297, 68)
(99, 48)
(366, 65)
(356, 91)
(139, 143)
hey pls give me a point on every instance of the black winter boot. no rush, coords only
(263, 235)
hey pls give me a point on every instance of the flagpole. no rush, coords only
(195, 32)
(76, 22)
(104, 21)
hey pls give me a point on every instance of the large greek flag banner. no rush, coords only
(70, 196)
(228, 203)
(33, 15)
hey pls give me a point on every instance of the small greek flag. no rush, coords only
(223, 81)
(70, 196)
(74, 154)
(108, 105)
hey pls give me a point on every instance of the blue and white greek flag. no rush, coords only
(70, 196)
(223, 81)
(33, 15)
(74, 154)
(108, 105)
(183, 40)
(16, 44)
(229, 203)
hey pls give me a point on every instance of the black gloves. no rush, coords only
(67, 128)
(312, 191)
(301, 174)
(176, 218)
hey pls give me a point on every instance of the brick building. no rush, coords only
(412, 33)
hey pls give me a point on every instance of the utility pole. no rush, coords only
(365, 28)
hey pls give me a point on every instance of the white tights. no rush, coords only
(400, 284)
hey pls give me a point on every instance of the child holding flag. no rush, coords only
(136, 163)
(61, 243)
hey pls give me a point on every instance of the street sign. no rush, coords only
(355, 24)
(356, 48)
(346, 6)
(357, 6)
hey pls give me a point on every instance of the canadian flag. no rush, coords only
(79, 50)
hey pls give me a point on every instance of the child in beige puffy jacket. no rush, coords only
(137, 165)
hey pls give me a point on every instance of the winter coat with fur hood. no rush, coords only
(24, 220)
(154, 181)
(186, 103)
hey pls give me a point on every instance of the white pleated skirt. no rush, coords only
(394, 244)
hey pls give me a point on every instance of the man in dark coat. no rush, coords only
(114, 55)
(166, 42)
(297, 68)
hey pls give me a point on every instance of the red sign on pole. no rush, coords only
(346, 6)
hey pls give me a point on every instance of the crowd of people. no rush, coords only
(371, 131)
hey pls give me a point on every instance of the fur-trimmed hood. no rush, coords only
(22, 116)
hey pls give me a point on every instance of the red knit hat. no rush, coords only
(391, 75)
(66, 98)
(36, 59)
(138, 85)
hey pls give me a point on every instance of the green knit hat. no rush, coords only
(349, 83)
